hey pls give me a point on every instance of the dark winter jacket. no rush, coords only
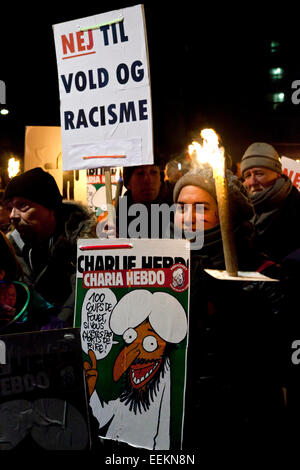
(52, 270)
(277, 221)
(233, 391)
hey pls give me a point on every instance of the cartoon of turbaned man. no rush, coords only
(149, 323)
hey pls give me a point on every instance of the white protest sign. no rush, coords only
(291, 168)
(104, 86)
(43, 149)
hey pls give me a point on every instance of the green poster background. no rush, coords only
(108, 390)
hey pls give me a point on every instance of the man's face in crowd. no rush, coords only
(144, 183)
(33, 221)
(188, 218)
(257, 179)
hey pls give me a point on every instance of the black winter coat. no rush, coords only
(51, 271)
(277, 220)
(233, 388)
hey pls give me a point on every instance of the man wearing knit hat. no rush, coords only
(45, 236)
(275, 200)
(32, 198)
(260, 167)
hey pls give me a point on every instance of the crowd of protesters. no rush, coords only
(238, 382)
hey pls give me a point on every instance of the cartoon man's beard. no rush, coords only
(140, 399)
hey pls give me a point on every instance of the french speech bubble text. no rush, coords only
(95, 330)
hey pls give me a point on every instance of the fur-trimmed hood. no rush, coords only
(51, 269)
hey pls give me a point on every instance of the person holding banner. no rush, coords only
(234, 391)
(45, 237)
(275, 199)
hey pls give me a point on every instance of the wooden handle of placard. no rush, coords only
(109, 199)
(119, 190)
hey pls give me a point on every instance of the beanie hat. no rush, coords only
(202, 176)
(261, 154)
(35, 185)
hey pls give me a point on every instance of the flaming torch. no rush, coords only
(13, 167)
(212, 153)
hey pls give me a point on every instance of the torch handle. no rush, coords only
(230, 256)
(109, 199)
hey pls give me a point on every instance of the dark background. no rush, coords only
(209, 66)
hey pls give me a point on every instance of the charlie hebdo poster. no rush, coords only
(132, 310)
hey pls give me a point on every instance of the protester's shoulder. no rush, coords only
(295, 195)
(291, 207)
(78, 218)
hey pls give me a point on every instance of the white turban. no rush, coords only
(163, 311)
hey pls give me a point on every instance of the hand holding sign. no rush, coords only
(91, 373)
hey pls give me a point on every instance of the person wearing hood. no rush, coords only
(45, 236)
(233, 390)
(275, 199)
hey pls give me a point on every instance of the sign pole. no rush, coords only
(109, 199)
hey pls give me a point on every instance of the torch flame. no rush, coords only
(13, 167)
(209, 151)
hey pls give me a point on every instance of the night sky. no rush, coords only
(209, 68)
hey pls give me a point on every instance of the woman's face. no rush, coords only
(190, 218)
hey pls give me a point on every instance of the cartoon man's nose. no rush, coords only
(125, 359)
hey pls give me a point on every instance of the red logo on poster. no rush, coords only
(180, 277)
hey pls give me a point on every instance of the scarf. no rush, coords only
(272, 197)
(211, 254)
(268, 203)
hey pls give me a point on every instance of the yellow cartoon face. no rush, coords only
(142, 354)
